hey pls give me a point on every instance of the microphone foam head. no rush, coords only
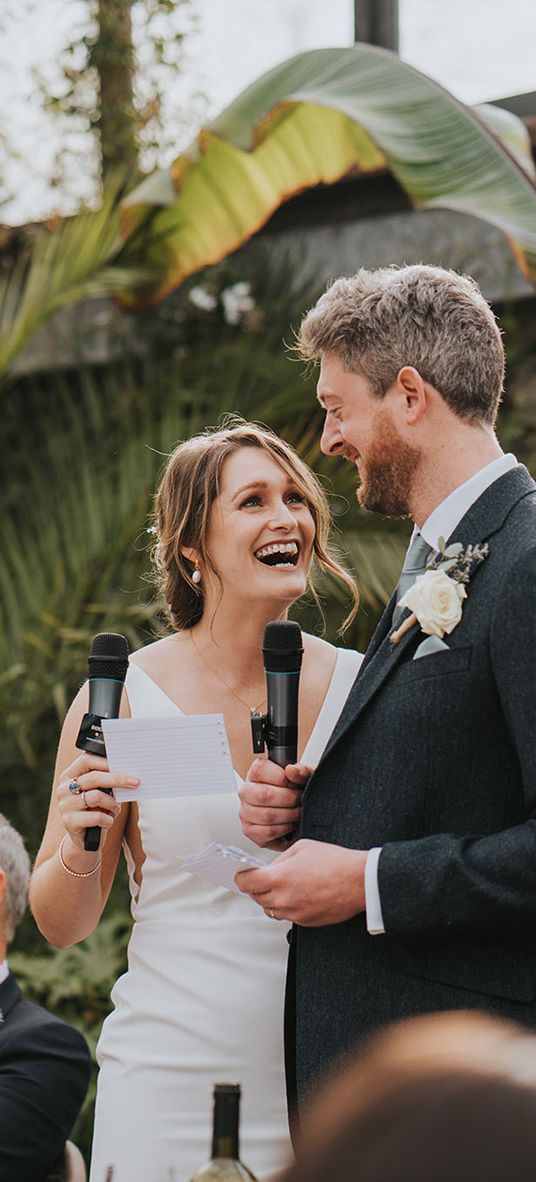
(282, 646)
(108, 656)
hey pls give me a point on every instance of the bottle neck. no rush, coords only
(225, 1137)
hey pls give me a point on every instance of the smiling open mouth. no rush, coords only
(280, 554)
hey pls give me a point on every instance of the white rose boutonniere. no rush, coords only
(435, 599)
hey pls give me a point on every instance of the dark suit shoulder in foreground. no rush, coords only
(44, 1074)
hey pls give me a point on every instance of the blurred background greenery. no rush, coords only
(83, 447)
(82, 451)
(84, 436)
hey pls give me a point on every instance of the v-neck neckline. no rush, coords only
(331, 689)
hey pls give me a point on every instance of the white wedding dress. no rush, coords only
(202, 999)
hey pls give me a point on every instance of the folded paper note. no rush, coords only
(220, 863)
(182, 756)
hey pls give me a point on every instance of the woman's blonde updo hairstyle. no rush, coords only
(183, 504)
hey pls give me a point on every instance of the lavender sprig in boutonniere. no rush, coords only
(436, 597)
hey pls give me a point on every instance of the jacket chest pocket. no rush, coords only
(439, 664)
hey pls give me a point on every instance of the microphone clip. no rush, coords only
(90, 737)
(259, 731)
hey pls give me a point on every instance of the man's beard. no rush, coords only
(387, 476)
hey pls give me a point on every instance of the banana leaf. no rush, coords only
(322, 116)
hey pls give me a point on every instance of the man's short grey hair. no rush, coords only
(15, 863)
(428, 317)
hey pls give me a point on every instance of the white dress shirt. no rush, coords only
(4, 971)
(440, 524)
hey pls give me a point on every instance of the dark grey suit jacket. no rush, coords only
(435, 761)
(44, 1074)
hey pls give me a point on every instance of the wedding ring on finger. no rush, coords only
(75, 788)
(86, 805)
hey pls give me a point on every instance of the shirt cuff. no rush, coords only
(373, 905)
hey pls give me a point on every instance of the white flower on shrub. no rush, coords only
(436, 601)
(238, 303)
(202, 299)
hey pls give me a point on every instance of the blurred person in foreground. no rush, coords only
(241, 523)
(44, 1063)
(445, 1097)
(412, 886)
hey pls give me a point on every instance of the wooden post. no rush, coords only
(376, 23)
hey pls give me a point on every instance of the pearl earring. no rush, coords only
(196, 573)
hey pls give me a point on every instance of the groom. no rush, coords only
(412, 886)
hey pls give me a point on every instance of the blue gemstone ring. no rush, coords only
(75, 788)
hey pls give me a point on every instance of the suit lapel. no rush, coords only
(369, 681)
(484, 518)
(381, 631)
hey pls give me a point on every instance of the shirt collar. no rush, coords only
(4, 971)
(446, 516)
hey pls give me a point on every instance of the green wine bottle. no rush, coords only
(224, 1164)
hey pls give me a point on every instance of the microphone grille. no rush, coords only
(108, 656)
(282, 646)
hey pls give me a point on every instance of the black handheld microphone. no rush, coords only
(107, 669)
(278, 729)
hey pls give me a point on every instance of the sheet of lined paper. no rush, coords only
(182, 756)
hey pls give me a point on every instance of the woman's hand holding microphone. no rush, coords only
(85, 799)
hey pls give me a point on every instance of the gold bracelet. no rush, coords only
(76, 873)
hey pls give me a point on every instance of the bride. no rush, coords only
(239, 522)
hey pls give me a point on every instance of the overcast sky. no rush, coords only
(479, 49)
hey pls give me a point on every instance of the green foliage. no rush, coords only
(315, 119)
(82, 453)
(76, 981)
(70, 263)
(83, 449)
(83, 456)
(518, 414)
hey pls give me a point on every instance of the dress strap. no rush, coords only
(146, 698)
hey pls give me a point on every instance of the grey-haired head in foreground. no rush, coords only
(15, 863)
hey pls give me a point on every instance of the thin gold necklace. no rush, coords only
(252, 709)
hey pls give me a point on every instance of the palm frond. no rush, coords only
(65, 265)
